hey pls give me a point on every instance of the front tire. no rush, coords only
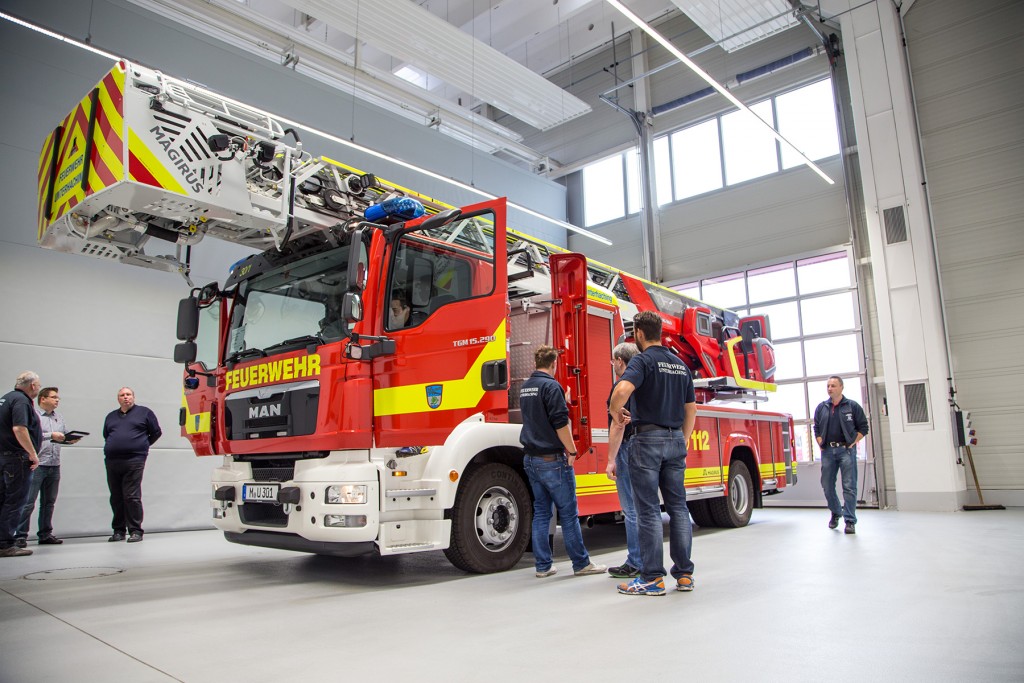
(734, 510)
(491, 520)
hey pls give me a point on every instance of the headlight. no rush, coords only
(346, 494)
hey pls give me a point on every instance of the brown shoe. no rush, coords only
(50, 540)
(14, 551)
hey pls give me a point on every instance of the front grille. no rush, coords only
(263, 514)
(284, 473)
(262, 423)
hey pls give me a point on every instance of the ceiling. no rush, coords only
(458, 65)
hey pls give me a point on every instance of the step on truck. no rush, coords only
(358, 373)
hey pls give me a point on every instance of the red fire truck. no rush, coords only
(359, 374)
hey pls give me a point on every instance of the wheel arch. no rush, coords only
(473, 443)
(745, 454)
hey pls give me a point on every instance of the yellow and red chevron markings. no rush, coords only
(106, 165)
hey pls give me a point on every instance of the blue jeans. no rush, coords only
(554, 483)
(657, 461)
(15, 469)
(43, 482)
(624, 485)
(832, 461)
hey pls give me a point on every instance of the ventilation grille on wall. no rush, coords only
(895, 225)
(916, 397)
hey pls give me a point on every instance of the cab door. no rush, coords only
(450, 359)
(198, 414)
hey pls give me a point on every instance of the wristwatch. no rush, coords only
(573, 454)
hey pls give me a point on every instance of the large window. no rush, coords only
(611, 188)
(726, 150)
(813, 317)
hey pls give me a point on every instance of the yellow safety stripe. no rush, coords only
(137, 147)
(195, 423)
(457, 394)
(741, 381)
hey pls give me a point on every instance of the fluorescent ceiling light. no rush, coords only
(677, 53)
(408, 32)
(57, 36)
(270, 39)
(334, 138)
(737, 23)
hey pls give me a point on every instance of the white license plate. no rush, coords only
(260, 493)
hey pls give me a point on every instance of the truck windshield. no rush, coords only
(295, 304)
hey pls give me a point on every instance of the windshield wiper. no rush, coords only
(246, 353)
(298, 341)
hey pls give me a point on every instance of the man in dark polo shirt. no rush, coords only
(128, 431)
(20, 438)
(665, 410)
(550, 452)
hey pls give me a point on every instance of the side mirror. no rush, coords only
(440, 219)
(185, 352)
(188, 318)
(352, 307)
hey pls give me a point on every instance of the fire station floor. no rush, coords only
(911, 597)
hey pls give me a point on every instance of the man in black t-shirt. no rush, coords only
(20, 439)
(665, 411)
(549, 456)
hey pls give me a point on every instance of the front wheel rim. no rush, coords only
(497, 519)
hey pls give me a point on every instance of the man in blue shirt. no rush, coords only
(45, 480)
(665, 412)
(20, 438)
(839, 424)
(620, 440)
(549, 455)
(129, 432)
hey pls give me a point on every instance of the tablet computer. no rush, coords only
(72, 436)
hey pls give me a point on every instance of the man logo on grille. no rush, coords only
(434, 392)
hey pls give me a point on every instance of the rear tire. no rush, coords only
(491, 520)
(701, 513)
(734, 509)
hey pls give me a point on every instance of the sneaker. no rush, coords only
(850, 529)
(50, 540)
(551, 571)
(21, 542)
(685, 583)
(834, 521)
(626, 571)
(135, 537)
(590, 569)
(116, 537)
(640, 587)
(14, 551)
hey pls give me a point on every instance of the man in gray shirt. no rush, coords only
(45, 479)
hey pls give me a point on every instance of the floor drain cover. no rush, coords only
(73, 573)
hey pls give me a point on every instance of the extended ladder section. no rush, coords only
(147, 156)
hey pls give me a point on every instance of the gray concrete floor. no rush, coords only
(911, 597)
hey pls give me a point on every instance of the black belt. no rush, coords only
(837, 444)
(651, 427)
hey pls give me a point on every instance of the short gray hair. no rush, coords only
(625, 351)
(26, 379)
